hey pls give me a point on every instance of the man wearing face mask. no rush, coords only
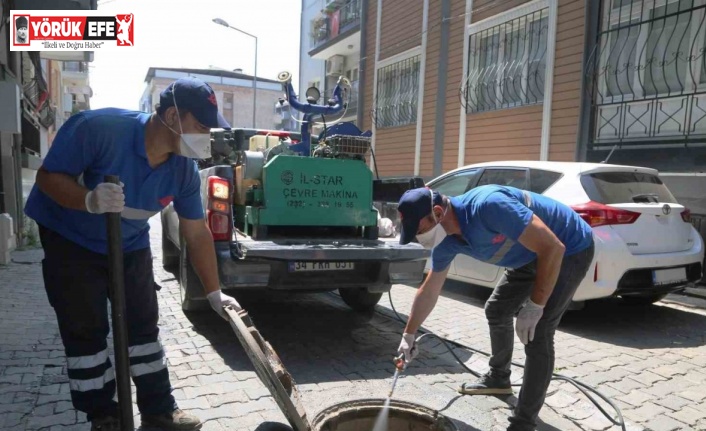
(153, 156)
(546, 248)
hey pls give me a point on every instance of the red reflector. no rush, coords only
(595, 273)
(219, 206)
(596, 214)
(686, 215)
(219, 225)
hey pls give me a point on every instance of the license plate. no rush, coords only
(320, 266)
(668, 276)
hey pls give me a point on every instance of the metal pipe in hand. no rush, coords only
(117, 301)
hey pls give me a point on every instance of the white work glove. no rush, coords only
(218, 300)
(385, 228)
(408, 347)
(105, 198)
(527, 320)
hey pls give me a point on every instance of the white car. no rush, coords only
(646, 246)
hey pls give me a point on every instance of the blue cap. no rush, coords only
(414, 205)
(197, 97)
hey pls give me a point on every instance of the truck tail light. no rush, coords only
(219, 225)
(218, 212)
(596, 214)
(218, 188)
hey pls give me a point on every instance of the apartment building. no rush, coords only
(446, 83)
(38, 91)
(234, 93)
(330, 48)
(454, 82)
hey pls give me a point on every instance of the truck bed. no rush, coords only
(388, 249)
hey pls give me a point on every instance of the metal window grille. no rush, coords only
(647, 73)
(507, 63)
(397, 93)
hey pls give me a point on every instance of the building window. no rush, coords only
(397, 93)
(507, 61)
(649, 72)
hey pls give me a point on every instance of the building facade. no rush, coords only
(234, 92)
(466, 81)
(34, 87)
(330, 48)
(446, 83)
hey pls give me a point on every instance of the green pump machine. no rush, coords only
(311, 186)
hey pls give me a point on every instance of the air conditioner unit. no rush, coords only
(334, 65)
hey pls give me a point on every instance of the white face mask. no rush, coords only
(435, 235)
(192, 145)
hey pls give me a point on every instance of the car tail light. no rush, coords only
(686, 215)
(596, 214)
(219, 209)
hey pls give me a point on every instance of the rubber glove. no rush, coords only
(408, 347)
(105, 198)
(218, 300)
(527, 320)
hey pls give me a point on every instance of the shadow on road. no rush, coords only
(317, 337)
(613, 321)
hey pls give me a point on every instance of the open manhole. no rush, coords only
(362, 415)
(355, 415)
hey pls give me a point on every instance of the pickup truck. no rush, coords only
(361, 269)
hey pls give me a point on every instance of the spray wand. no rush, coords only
(399, 367)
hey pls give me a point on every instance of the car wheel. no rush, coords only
(359, 299)
(190, 288)
(170, 252)
(643, 300)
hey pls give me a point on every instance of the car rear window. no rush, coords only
(541, 180)
(625, 187)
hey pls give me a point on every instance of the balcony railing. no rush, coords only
(47, 115)
(647, 73)
(334, 23)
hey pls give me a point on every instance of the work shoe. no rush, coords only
(106, 423)
(487, 385)
(178, 420)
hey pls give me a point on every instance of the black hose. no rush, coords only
(584, 388)
(375, 163)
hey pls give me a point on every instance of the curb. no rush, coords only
(697, 292)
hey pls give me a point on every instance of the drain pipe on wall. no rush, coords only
(422, 83)
(549, 82)
(375, 72)
(463, 118)
(363, 61)
(441, 92)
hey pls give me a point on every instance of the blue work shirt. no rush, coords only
(492, 218)
(92, 144)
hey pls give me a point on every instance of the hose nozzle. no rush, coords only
(399, 362)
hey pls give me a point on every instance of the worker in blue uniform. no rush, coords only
(153, 155)
(546, 248)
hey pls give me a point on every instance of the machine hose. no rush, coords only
(584, 388)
